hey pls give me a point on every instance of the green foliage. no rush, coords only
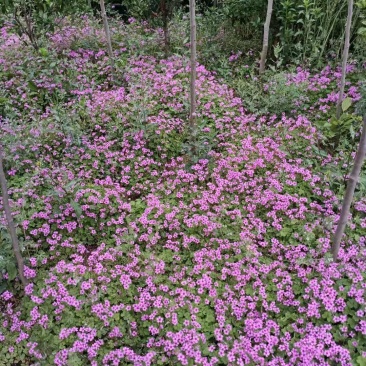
(244, 11)
(269, 95)
(218, 37)
(7, 260)
(361, 4)
(151, 10)
(16, 356)
(307, 32)
(361, 361)
(359, 51)
(35, 18)
(139, 9)
(338, 131)
(361, 104)
(309, 28)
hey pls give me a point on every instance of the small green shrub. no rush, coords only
(269, 95)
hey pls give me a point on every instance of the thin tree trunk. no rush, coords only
(351, 185)
(9, 219)
(345, 57)
(192, 13)
(262, 64)
(108, 36)
(166, 39)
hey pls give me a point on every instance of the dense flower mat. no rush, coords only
(136, 255)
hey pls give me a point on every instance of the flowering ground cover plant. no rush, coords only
(136, 255)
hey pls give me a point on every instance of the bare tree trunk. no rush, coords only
(108, 36)
(345, 57)
(351, 185)
(9, 219)
(166, 39)
(192, 13)
(27, 27)
(262, 64)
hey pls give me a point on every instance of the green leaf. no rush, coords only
(77, 208)
(352, 132)
(32, 86)
(71, 184)
(12, 271)
(284, 232)
(3, 287)
(43, 52)
(361, 361)
(346, 104)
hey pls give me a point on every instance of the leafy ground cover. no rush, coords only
(137, 254)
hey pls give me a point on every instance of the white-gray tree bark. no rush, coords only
(351, 185)
(262, 64)
(108, 37)
(345, 57)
